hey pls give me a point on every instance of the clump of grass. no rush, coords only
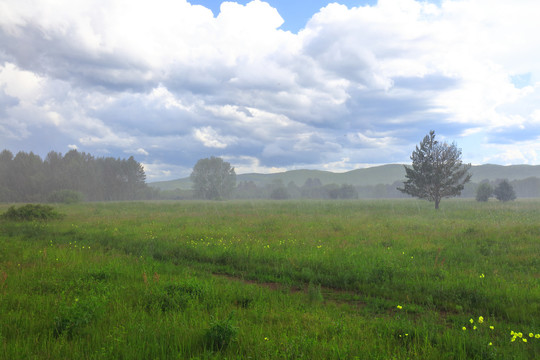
(171, 297)
(314, 293)
(220, 334)
(31, 212)
(242, 301)
(380, 274)
(74, 317)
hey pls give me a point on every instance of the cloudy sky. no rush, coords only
(270, 85)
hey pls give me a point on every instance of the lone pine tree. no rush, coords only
(436, 172)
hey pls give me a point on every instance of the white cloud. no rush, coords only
(210, 138)
(21, 84)
(249, 164)
(522, 153)
(141, 151)
(356, 86)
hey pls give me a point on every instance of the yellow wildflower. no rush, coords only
(524, 340)
(537, 336)
(400, 307)
(471, 321)
(464, 328)
(491, 327)
(481, 319)
(531, 334)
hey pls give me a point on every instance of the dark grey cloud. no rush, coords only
(134, 115)
(6, 102)
(53, 54)
(170, 84)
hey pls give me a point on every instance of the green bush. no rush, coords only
(65, 197)
(31, 212)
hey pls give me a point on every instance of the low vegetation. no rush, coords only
(266, 280)
(30, 212)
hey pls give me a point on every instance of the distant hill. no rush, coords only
(384, 174)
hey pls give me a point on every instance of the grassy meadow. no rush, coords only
(273, 280)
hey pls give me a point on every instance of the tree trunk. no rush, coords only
(437, 201)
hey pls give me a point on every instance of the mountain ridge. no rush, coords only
(382, 174)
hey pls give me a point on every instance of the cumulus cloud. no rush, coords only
(169, 82)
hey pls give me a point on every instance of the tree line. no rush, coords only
(437, 172)
(25, 177)
(313, 188)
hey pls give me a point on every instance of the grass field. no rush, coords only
(273, 280)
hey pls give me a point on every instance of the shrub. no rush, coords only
(66, 197)
(31, 212)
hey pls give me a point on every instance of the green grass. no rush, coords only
(266, 280)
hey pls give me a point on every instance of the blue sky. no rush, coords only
(295, 13)
(270, 85)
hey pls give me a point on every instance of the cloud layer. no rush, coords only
(169, 83)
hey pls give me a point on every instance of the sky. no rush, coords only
(273, 85)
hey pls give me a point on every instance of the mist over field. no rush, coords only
(271, 279)
(270, 179)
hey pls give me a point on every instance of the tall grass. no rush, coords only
(297, 279)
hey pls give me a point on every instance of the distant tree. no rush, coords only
(529, 187)
(504, 191)
(484, 192)
(293, 190)
(313, 189)
(6, 175)
(279, 193)
(133, 178)
(247, 190)
(213, 179)
(437, 171)
(277, 190)
(348, 192)
(26, 177)
(344, 191)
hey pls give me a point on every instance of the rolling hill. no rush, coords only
(384, 174)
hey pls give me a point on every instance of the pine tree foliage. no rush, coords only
(436, 172)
